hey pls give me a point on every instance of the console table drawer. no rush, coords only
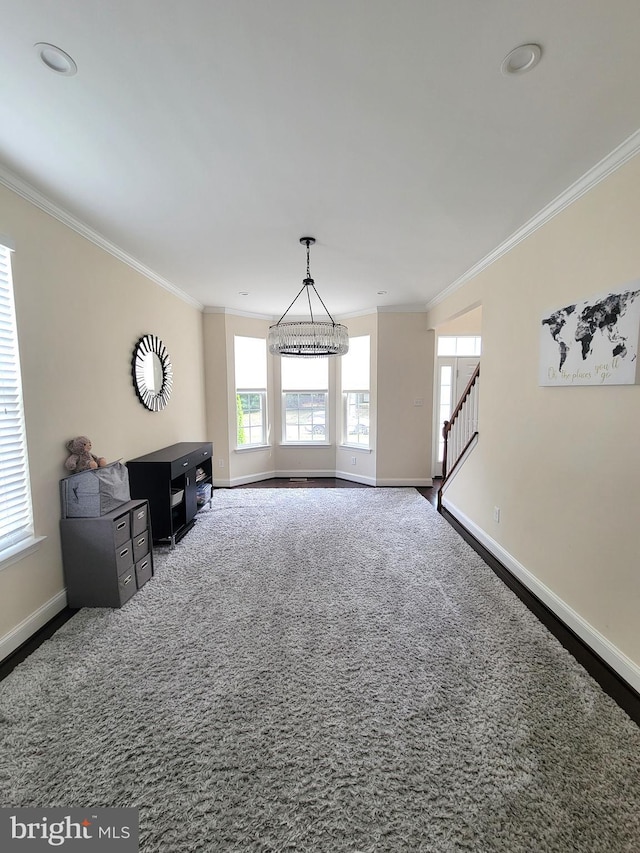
(182, 465)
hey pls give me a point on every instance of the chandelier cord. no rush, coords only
(322, 302)
(308, 295)
(290, 306)
(308, 282)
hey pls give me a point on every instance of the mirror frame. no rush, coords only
(151, 345)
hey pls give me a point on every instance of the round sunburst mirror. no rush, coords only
(152, 373)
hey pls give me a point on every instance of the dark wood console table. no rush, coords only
(169, 480)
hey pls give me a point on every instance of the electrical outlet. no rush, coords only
(496, 514)
(220, 463)
(353, 460)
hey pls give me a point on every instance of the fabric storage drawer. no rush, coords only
(124, 557)
(144, 570)
(140, 546)
(121, 529)
(140, 519)
(127, 585)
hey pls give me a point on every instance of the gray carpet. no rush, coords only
(323, 670)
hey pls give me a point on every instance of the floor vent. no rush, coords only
(298, 479)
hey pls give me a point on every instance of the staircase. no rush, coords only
(460, 431)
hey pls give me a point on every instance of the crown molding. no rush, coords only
(237, 312)
(609, 164)
(413, 308)
(351, 314)
(26, 191)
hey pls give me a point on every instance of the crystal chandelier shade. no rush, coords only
(308, 338)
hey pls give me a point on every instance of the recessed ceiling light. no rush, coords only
(56, 59)
(381, 292)
(521, 59)
(243, 293)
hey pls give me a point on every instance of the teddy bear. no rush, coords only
(82, 458)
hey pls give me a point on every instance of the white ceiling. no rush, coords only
(204, 137)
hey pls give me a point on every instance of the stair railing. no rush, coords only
(461, 429)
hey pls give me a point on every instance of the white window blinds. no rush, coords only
(251, 362)
(16, 519)
(355, 365)
(304, 374)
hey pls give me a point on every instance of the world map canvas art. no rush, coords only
(594, 342)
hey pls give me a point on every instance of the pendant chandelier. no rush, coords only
(309, 338)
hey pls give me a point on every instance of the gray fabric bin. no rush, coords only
(95, 492)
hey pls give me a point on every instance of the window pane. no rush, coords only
(446, 346)
(462, 345)
(305, 416)
(357, 418)
(467, 346)
(251, 408)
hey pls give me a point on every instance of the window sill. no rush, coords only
(247, 448)
(359, 447)
(305, 444)
(17, 552)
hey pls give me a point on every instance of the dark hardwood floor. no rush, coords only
(23, 651)
(428, 492)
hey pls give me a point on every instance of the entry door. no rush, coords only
(453, 377)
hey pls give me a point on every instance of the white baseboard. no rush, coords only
(243, 481)
(29, 626)
(355, 478)
(617, 660)
(416, 482)
(406, 482)
(311, 474)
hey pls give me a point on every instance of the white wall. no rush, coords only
(80, 312)
(562, 462)
(468, 323)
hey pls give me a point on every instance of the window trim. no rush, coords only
(15, 553)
